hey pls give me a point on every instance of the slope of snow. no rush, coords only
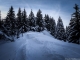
(45, 32)
(38, 46)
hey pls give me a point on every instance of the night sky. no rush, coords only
(54, 8)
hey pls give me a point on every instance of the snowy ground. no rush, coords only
(38, 46)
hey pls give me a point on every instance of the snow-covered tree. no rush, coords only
(52, 26)
(24, 21)
(10, 21)
(67, 32)
(47, 22)
(60, 31)
(39, 21)
(32, 21)
(19, 22)
(74, 24)
(10, 25)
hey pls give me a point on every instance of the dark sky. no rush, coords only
(54, 8)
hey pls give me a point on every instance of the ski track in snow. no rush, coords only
(38, 46)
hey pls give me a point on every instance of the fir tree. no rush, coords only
(10, 21)
(10, 25)
(74, 24)
(19, 22)
(60, 31)
(32, 21)
(52, 26)
(67, 32)
(47, 22)
(39, 21)
(24, 21)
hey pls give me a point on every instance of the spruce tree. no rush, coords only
(52, 26)
(10, 21)
(32, 21)
(24, 21)
(47, 22)
(74, 24)
(19, 22)
(60, 31)
(67, 33)
(39, 21)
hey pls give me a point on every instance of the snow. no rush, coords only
(45, 32)
(38, 46)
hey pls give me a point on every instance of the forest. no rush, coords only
(14, 25)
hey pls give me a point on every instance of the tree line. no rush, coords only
(13, 26)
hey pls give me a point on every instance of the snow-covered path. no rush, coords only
(38, 46)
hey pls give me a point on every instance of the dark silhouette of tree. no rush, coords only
(10, 23)
(47, 22)
(67, 32)
(24, 21)
(32, 21)
(74, 24)
(39, 21)
(19, 22)
(60, 31)
(10, 19)
(52, 26)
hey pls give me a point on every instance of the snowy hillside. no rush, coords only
(38, 46)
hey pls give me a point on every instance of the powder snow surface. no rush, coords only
(38, 46)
